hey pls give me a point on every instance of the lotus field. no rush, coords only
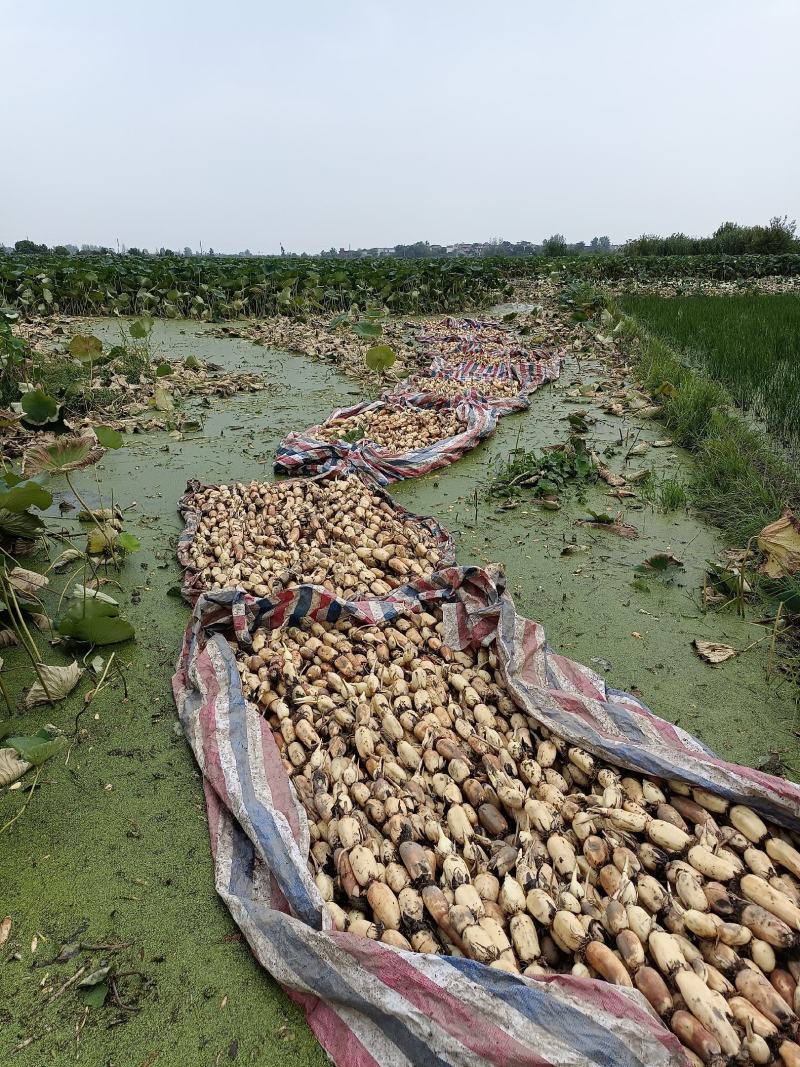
(221, 287)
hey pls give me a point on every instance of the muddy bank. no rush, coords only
(114, 847)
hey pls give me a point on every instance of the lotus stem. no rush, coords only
(21, 629)
(90, 512)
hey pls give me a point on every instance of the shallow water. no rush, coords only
(116, 841)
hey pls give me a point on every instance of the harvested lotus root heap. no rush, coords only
(333, 532)
(451, 387)
(400, 429)
(444, 820)
(459, 349)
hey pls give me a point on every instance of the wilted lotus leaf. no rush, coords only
(26, 583)
(162, 398)
(99, 515)
(660, 561)
(69, 555)
(85, 592)
(8, 418)
(610, 523)
(780, 543)
(11, 766)
(712, 652)
(63, 454)
(101, 539)
(59, 681)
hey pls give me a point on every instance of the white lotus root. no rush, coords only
(333, 532)
(400, 429)
(443, 819)
(498, 388)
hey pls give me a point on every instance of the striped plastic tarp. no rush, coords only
(368, 1003)
(484, 340)
(525, 375)
(191, 587)
(303, 452)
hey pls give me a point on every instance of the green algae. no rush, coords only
(113, 848)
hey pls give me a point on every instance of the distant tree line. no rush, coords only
(778, 236)
(550, 246)
(728, 239)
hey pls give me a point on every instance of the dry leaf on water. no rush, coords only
(633, 477)
(713, 653)
(604, 472)
(621, 529)
(5, 930)
(67, 556)
(780, 543)
(162, 398)
(26, 583)
(59, 680)
(11, 766)
(609, 477)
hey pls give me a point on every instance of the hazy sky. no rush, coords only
(337, 122)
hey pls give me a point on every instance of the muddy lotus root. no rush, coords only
(500, 388)
(332, 532)
(397, 429)
(443, 820)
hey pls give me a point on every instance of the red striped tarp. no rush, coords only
(369, 1003)
(486, 341)
(303, 452)
(525, 375)
(483, 351)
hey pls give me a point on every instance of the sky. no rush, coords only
(352, 123)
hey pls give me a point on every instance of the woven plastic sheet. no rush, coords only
(369, 1003)
(521, 378)
(485, 341)
(306, 453)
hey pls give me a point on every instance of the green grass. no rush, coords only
(669, 494)
(749, 343)
(740, 482)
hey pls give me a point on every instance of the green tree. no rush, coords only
(555, 245)
(28, 246)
